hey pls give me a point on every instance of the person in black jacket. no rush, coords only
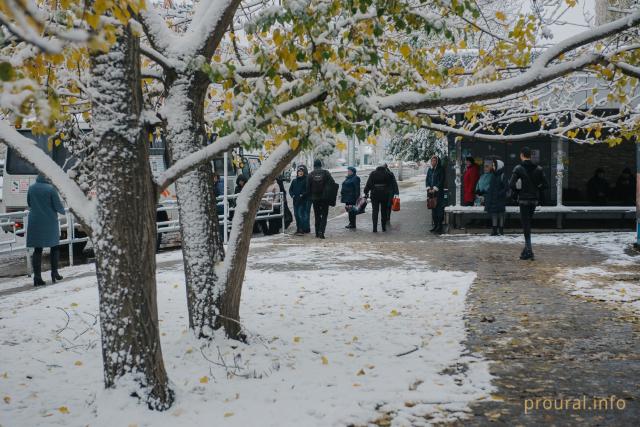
(435, 188)
(528, 183)
(598, 188)
(395, 192)
(349, 194)
(495, 199)
(380, 186)
(301, 201)
(319, 185)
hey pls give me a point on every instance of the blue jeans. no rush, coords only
(302, 212)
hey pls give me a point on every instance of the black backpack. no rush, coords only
(317, 182)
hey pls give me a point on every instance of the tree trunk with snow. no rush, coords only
(201, 244)
(125, 232)
(244, 216)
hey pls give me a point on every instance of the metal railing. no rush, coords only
(15, 224)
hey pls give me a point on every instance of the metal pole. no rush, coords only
(25, 220)
(282, 196)
(225, 201)
(458, 172)
(559, 171)
(638, 194)
(71, 231)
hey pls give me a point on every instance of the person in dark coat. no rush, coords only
(380, 186)
(528, 183)
(301, 201)
(349, 194)
(469, 181)
(43, 229)
(241, 180)
(495, 199)
(319, 186)
(395, 192)
(626, 188)
(598, 188)
(435, 188)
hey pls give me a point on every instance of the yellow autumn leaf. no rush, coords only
(394, 313)
(74, 304)
(77, 363)
(405, 50)
(371, 139)
(501, 16)
(204, 380)
(294, 143)
(63, 410)
(296, 339)
(325, 361)
(228, 414)
(7, 399)
(455, 292)
(367, 306)
(361, 372)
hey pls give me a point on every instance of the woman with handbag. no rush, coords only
(349, 194)
(435, 194)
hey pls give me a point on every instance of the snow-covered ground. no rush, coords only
(327, 346)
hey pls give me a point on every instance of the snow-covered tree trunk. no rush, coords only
(201, 244)
(244, 216)
(125, 232)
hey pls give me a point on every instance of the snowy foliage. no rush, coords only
(419, 146)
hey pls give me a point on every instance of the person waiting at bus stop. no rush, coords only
(435, 190)
(43, 229)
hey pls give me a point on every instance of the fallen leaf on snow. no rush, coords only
(394, 313)
(204, 380)
(296, 339)
(361, 372)
(7, 399)
(77, 363)
(325, 361)
(63, 410)
(228, 414)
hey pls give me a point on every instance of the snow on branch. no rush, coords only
(628, 69)
(406, 101)
(539, 73)
(234, 139)
(586, 37)
(27, 149)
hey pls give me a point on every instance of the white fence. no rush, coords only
(14, 224)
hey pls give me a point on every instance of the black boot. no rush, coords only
(36, 265)
(527, 254)
(433, 228)
(494, 231)
(54, 254)
(55, 277)
(501, 231)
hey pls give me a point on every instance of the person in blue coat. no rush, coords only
(301, 201)
(43, 229)
(349, 194)
(435, 188)
(495, 198)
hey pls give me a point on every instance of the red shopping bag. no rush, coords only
(395, 204)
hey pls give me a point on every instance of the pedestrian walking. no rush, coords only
(435, 192)
(319, 187)
(469, 181)
(495, 199)
(301, 201)
(528, 184)
(349, 194)
(43, 229)
(379, 185)
(395, 192)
